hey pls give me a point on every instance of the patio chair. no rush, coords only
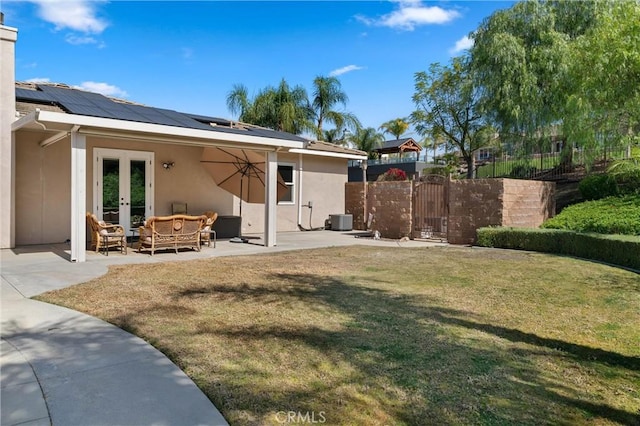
(106, 235)
(179, 208)
(207, 231)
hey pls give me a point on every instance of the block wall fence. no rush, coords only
(472, 204)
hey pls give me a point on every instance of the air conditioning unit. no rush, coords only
(341, 222)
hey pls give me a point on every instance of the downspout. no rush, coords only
(300, 170)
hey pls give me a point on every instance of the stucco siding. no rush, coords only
(187, 181)
(323, 183)
(43, 199)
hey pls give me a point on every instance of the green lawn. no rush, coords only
(372, 336)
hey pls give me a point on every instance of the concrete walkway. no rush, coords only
(61, 367)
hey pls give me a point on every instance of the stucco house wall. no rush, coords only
(43, 200)
(324, 184)
(317, 179)
(187, 181)
(43, 181)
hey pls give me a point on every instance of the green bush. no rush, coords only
(522, 171)
(626, 173)
(614, 249)
(440, 171)
(612, 215)
(595, 187)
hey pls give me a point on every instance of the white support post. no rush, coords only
(270, 197)
(8, 37)
(78, 196)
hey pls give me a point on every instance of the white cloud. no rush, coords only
(411, 14)
(345, 70)
(103, 88)
(77, 39)
(464, 43)
(77, 15)
(38, 80)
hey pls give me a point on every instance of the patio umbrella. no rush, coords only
(240, 172)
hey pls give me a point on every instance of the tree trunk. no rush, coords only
(471, 166)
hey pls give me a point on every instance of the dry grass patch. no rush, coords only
(367, 335)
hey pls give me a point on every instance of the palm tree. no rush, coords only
(433, 142)
(238, 100)
(396, 127)
(331, 135)
(327, 94)
(366, 140)
(279, 108)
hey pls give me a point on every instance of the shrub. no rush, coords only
(393, 174)
(440, 171)
(522, 171)
(595, 187)
(626, 174)
(614, 249)
(612, 215)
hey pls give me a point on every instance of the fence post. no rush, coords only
(494, 164)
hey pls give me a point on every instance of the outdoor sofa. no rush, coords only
(174, 232)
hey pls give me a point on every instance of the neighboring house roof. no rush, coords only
(399, 145)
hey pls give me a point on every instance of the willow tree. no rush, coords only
(604, 104)
(446, 100)
(396, 127)
(521, 58)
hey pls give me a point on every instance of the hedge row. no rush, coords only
(620, 250)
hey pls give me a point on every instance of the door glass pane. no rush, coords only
(110, 190)
(138, 204)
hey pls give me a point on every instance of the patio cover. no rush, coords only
(56, 126)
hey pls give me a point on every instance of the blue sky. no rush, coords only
(187, 56)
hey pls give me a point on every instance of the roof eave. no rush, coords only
(328, 154)
(152, 132)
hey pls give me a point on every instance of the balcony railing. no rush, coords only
(388, 160)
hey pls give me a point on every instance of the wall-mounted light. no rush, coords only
(168, 164)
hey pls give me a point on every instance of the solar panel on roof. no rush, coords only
(182, 119)
(206, 119)
(96, 105)
(29, 95)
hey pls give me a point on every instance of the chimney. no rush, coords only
(8, 37)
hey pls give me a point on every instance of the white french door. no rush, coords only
(123, 182)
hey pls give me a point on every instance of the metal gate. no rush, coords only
(431, 207)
